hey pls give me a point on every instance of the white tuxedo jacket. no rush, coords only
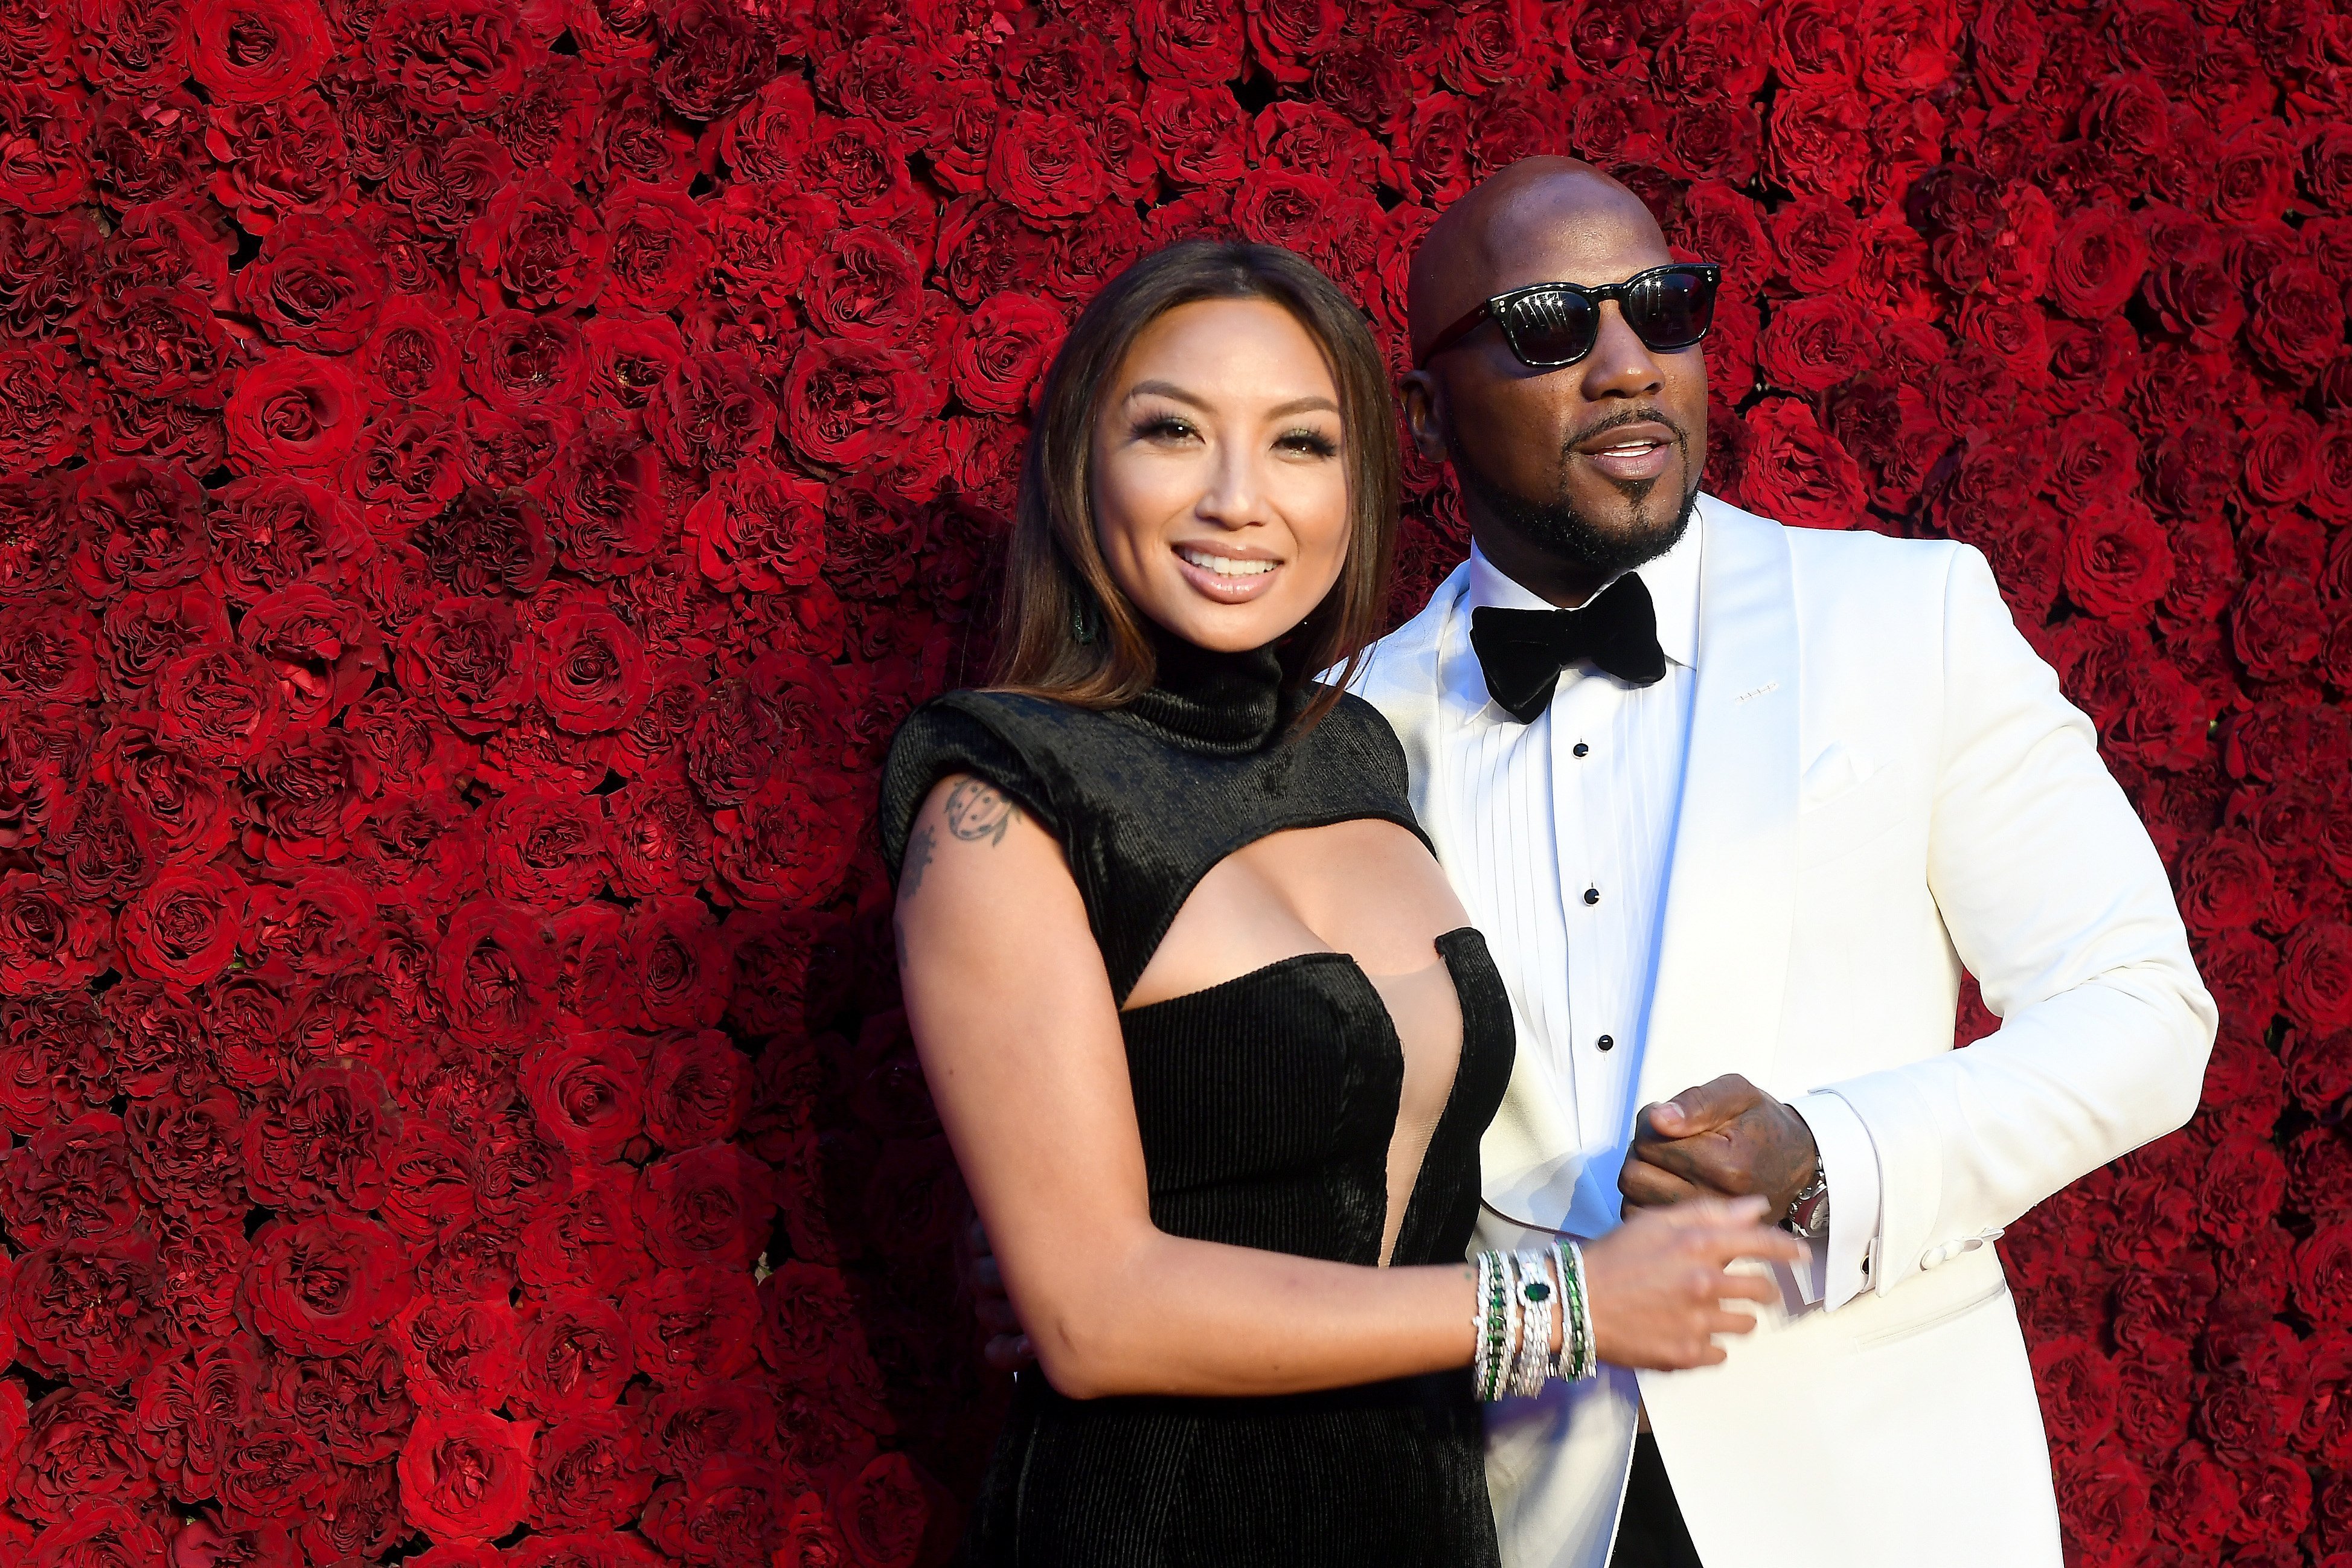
(1883, 784)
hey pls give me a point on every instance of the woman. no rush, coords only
(1206, 1024)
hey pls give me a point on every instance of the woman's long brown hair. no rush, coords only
(1055, 576)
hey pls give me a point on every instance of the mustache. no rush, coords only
(1624, 417)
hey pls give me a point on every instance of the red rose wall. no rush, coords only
(482, 481)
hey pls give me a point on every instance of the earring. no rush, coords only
(1082, 619)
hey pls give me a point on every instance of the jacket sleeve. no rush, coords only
(2056, 901)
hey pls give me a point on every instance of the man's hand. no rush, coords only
(1008, 1348)
(1722, 1139)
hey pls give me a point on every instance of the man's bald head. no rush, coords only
(1499, 235)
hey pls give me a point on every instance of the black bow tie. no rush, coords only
(1524, 651)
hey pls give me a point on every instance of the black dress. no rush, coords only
(1266, 1106)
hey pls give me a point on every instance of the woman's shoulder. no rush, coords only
(1007, 738)
(1357, 729)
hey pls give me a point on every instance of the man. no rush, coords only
(1738, 824)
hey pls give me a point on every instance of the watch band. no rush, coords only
(1808, 1211)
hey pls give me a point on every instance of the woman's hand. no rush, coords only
(1657, 1284)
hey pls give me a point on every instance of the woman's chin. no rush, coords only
(1225, 627)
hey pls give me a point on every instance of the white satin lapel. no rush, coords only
(1723, 951)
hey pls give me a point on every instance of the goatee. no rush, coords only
(1559, 529)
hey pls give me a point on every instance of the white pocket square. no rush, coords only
(1839, 770)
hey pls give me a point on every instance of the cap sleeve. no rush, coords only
(947, 735)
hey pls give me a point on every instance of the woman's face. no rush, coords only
(1219, 474)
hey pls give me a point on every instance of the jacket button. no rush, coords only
(1592, 895)
(1606, 1042)
(1582, 749)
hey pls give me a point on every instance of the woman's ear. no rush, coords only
(1423, 417)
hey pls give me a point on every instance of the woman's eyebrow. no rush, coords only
(1171, 389)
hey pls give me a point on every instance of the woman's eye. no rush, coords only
(1310, 443)
(1161, 427)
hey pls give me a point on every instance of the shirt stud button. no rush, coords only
(1582, 749)
(1592, 895)
(1606, 1042)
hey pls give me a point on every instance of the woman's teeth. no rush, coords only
(1225, 565)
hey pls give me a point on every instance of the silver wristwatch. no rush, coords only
(1808, 1211)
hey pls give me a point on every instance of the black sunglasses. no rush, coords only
(1548, 325)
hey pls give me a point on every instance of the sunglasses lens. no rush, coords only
(1671, 310)
(1553, 327)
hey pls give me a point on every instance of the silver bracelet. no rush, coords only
(1487, 1324)
(1536, 1297)
(1580, 1310)
(1514, 1321)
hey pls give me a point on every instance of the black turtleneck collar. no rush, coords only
(1226, 703)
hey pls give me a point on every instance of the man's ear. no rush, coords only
(1423, 417)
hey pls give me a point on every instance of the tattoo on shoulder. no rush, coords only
(918, 856)
(976, 811)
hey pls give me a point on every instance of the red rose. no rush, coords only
(464, 58)
(465, 1476)
(885, 1510)
(574, 1356)
(78, 1454)
(588, 1236)
(466, 655)
(184, 929)
(101, 1535)
(713, 413)
(2241, 1187)
(691, 1323)
(2102, 1502)
(589, 1471)
(582, 1549)
(1812, 345)
(326, 1284)
(317, 284)
(294, 410)
(458, 1356)
(729, 1511)
(2297, 325)
(44, 404)
(842, 400)
(604, 498)
(586, 1090)
(2318, 977)
(2118, 561)
(323, 1143)
(255, 51)
(540, 243)
(690, 1425)
(69, 1183)
(87, 1309)
(45, 130)
(2100, 256)
(2194, 1501)
(659, 249)
(1795, 471)
(712, 1205)
(1194, 41)
(1000, 352)
(519, 361)
(760, 527)
(184, 1153)
(698, 1090)
(48, 938)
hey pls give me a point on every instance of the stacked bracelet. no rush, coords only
(1519, 1297)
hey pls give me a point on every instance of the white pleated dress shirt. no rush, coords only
(1566, 827)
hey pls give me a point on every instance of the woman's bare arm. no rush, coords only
(1019, 1035)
